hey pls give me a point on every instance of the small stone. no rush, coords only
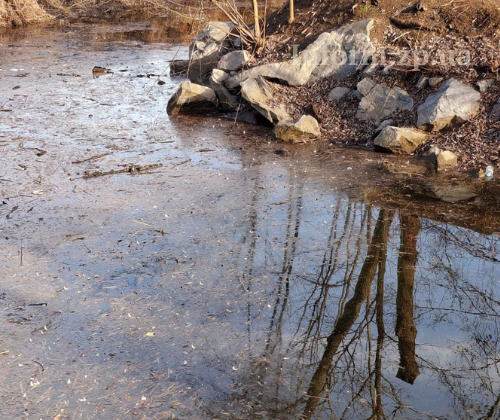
(435, 81)
(446, 160)
(422, 82)
(485, 84)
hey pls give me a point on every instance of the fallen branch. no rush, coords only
(131, 169)
(411, 25)
(91, 158)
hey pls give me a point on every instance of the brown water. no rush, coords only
(232, 282)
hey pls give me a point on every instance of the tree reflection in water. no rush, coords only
(341, 337)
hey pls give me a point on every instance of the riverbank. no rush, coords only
(418, 79)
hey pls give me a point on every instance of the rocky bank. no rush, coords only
(438, 99)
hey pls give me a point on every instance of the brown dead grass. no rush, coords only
(22, 12)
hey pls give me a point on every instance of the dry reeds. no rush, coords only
(251, 37)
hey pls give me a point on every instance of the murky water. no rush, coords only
(232, 282)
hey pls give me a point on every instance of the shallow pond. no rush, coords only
(232, 282)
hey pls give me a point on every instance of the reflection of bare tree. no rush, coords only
(339, 245)
(283, 287)
(405, 326)
(350, 311)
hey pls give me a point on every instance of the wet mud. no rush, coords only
(226, 280)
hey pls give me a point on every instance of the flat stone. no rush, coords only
(304, 129)
(400, 140)
(383, 125)
(453, 104)
(191, 98)
(381, 102)
(338, 93)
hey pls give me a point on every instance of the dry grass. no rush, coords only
(22, 12)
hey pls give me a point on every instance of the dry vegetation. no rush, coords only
(22, 12)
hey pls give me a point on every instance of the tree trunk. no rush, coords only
(256, 21)
(292, 12)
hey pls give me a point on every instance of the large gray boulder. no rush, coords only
(258, 94)
(334, 54)
(454, 103)
(227, 101)
(191, 98)
(233, 61)
(299, 132)
(400, 140)
(380, 102)
(205, 52)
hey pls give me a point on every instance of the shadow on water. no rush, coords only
(232, 282)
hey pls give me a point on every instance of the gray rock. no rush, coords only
(495, 112)
(338, 93)
(328, 56)
(381, 101)
(258, 94)
(365, 86)
(304, 129)
(400, 140)
(213, 33)
(454, 103)
(207, 49)
(485, 84)
(233, 61)
(227, 101)
(435, 81)
(191, 98)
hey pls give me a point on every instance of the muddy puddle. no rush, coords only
(231, 282)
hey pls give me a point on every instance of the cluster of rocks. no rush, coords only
(220, 79)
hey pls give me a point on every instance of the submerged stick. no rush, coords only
(132, 169)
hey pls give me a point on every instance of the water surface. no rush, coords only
(232, 282)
